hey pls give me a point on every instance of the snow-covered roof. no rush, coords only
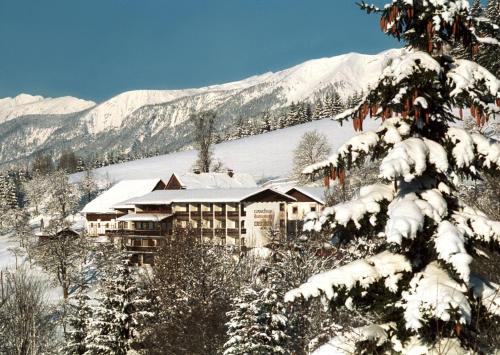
(123, 190)
(165, 197)
(316, 193)
(215, 180)
(145, 217)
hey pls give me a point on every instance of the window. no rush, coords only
(282, 207)
(295, 210)
(313, 208)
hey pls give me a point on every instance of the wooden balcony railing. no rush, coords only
(233, 232)
(132, 232)
(142, 249)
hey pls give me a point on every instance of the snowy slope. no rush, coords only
(24, 104)
(351, 72)
(267, 155)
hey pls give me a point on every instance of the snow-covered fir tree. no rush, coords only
(119, 313)
(257, 323)
(78, 321)
(420, 283)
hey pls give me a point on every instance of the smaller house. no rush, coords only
(307, 199)
(63, 233)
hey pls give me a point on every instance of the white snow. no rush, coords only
(362, 272)
(368, 201)
(433, 293)
(121, 191)
(465, 75)
(215, 180)
(353, 72)
(449, 242)
(262, 156)
(475, 224)
(463, 150)
(345, 343)
(406, 214)
(166, 197)
(24, 104)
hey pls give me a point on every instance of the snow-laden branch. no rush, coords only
(476, 225)
(368, 202)
(471, 82)
(408, 159)
(364, 272)
(434, 294)
(449, 242)
(407, 214)
(392, 131)
(469, 149)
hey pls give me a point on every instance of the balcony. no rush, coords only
(141, 249)
(196, 214)
(233, 232)
(132, 232)
(182, 215)
(206, 232)
(233, 214)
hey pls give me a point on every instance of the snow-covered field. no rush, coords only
(264, 156)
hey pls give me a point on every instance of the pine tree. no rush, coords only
(337, 106)
(258, 323)
(79, 325)
(266, 125)
(117, 317)
(420, 285)
(318, 110)
(487, 54)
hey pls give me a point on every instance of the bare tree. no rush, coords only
(61, 251)
(313, 148)
(88, 185)
(192, 287)
(26, 324)
(204, 123)
(35, 191)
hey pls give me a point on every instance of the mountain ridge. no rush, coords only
(146, 120)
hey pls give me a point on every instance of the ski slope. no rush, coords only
(263, 156)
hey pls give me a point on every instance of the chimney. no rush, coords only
(230, 172)
(197, 171)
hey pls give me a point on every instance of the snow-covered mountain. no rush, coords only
(24, 105)
(352, 72)
(149, 119)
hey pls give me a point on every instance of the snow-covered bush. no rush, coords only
(420, 282)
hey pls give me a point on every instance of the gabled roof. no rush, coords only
(166, 197)
(144, 217)
(123, 190)
(315, 193)
(214, 180)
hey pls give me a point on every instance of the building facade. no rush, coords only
(237, 217)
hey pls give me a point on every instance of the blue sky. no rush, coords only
(95, 49)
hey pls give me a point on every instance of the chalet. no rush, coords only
(238, 216)
(102, 212)
(307, 199)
